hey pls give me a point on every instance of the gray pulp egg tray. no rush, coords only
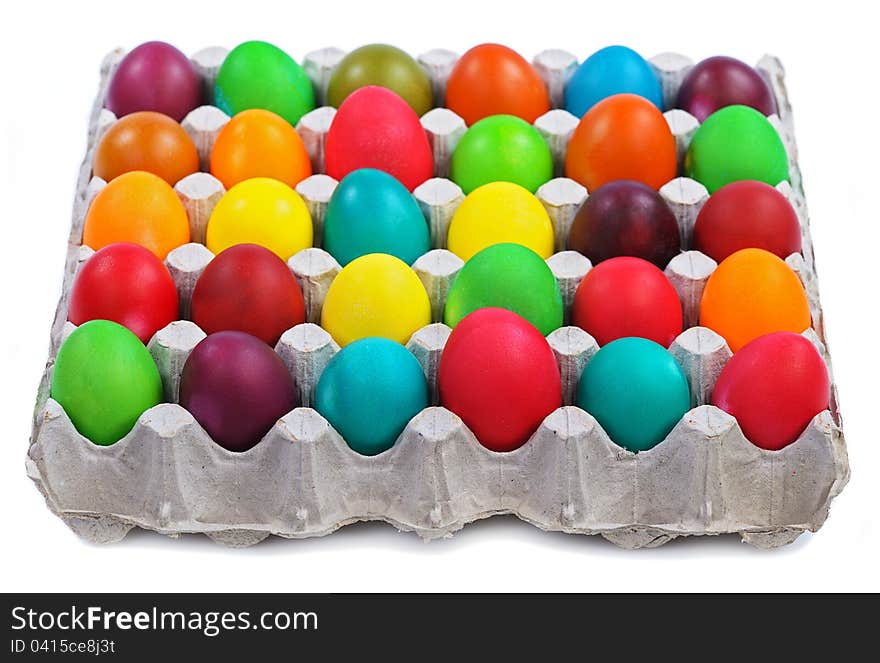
(302, 480)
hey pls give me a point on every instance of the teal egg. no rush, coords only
(371, 212)
(369, 391)
(636, 390)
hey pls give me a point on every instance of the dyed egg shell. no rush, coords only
(369, 391)
(625, 218)
(627, 296)
(155, 76)
(137, 207)
(375, 128)
(500, 212)
(721, 81)
(774, 386)
(611, 70)
(105, 379)
(236, 387)
(747, 214)
(753, 293)
(491, 79)
(257, 74)
(259, 143)
(260, 211)
(375, 295)
(736, 143)
(500, 376)
(385, 66)
(127, 284)
(501, 148)
(248, 288)
(508, 276)
(623, 137)
(371, 212)
(636, 391)
(146, 141)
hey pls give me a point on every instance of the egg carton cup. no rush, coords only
(303, 480)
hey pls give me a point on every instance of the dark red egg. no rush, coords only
(127, 284)
(722, 81)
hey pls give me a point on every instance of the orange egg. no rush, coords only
(623, 137)
(146, 141)
(752, 293)
(259, 143)
(137, 207)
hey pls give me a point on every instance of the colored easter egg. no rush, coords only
(625, 218)
(500, 212)
(248, 288)
(375, 128)
(721, 81)
(259, 143)
(752, 293)
(747, 214)
(257, 74)
(636, 391)
(774, 386)
(105, 379)
(508, 276)
(375, 295)
(498, 373)
(146, 141)
(137, 207)
(736, 143)
(155, 76)
(261, 211)
(622, 137)
(501, 148)
(371, 212)
(491, 79)
(385, 66)
(127, 284)
(627, 296)
(236, 387)
(611, 70)
(369, 391)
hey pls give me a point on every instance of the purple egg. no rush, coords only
(236, 387)
(155, 76)
(722, 81)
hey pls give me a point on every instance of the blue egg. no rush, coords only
(612, 70)
(369, 391)
(371, 212)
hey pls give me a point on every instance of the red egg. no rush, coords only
(375, 128)
(127, 284)
(627, 296)
(250, 289)
(500, 376)
(774, 386)
(721, 81)
(744, 215)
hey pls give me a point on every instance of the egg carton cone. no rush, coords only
(303, 480)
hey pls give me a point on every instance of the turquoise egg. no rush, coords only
(371, 212)
(636, 390)
(369, 391)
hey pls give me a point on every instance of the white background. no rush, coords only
(48, 77)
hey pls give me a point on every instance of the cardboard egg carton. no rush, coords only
(302, 480)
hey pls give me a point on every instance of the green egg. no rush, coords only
(636, 390)
(509, 276)
(105, 378)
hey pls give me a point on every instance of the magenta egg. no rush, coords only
(723, 81)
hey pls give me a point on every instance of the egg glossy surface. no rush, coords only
(611, 70)
(722, 81)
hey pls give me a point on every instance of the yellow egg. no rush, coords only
(375, 295)
(500, 212)
(260, 211)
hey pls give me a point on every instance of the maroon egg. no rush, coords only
(722, 81)
(155, 76)
(236, 387)
(625, 218)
